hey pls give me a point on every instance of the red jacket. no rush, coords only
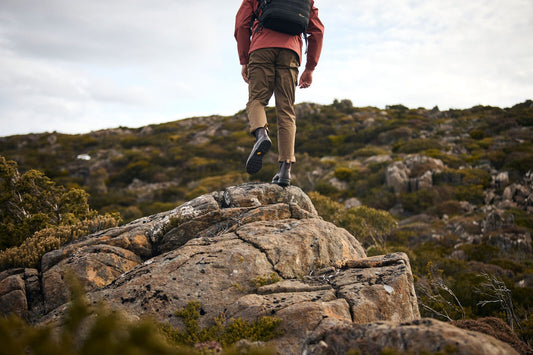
(248, 40)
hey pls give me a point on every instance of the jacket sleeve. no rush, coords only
(315, 36)
(242, 30)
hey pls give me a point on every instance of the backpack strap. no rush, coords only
(260, 6)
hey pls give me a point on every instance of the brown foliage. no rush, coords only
(497, 328)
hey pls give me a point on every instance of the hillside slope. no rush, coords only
(457, 181)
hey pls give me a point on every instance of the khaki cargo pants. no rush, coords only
(274, 71)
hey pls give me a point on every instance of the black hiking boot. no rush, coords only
(283, 177)
(261, 147)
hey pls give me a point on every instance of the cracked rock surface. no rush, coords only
(249, 251)
(425, 336)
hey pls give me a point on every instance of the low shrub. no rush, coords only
(416, 145)
(368, 225)
(224, 332)
(343, 173)
(30, 252)
(265, 280)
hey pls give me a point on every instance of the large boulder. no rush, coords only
(378, 288)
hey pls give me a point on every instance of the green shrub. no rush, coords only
(31, 201)
(483, 252)
(416, 145)
(368, 225)
(38, 216)
(475, 177)
(473, 194)
(369, 151)
(450, 208)
(448, 177)
(477, 134)
(337, 140)
(225, 333)
(419, 201)
(141, 169)
(380, 198)
(520, 161)
(265, 280)
(326, 188)
(521, 218)
(469, 184)
(29, 253)
(343, 173)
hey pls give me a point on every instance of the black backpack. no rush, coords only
(286, 16)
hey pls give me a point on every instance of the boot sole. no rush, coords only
(283, 182)
(255, 160)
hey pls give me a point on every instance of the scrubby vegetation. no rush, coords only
(370, 226)
(265, 280)
(37, 216)
(467, 228)
(225, 333)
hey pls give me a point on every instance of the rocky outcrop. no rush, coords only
(425, 336)
(20, 292)
(414, 173)
(248, 251)
(516, 195)
(398, 177)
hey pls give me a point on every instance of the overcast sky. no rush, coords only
(74, 66)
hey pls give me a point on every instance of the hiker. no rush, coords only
(270, 60)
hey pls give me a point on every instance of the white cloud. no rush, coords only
(448, 53)
(74, 66)
(95, 64)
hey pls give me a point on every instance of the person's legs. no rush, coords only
(261, 74)
(286, 79)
